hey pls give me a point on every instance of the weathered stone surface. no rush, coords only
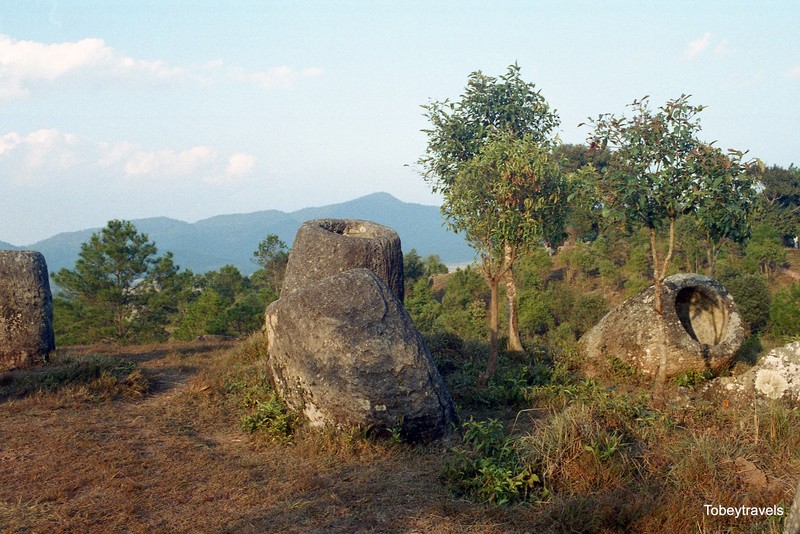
(792, 523)
(26, 309)
(775, 376)
(702, 326)
(344, 352)
(324, 247)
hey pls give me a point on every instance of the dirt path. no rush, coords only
(176, 461)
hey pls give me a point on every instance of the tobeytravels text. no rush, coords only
(739, 511)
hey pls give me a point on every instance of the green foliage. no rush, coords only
(265, 412)
(272, 417)
(415, 268)
(545, 311)
(489, 157)
(691, 379)
(464, 305)
(225, 303)
(784, 313)
(659, 170)
(750, 291)
(781, 196)
(422, 306)
(487, 467)
(650, 177)
(120, 290)
(458, 130)
(765, 253)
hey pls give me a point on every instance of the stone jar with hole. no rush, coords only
(702, 326)
(324, 247)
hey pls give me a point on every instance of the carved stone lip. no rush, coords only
(324, 247)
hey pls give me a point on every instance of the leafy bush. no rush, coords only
(464, 306)
(692, 378)
(487, 466)
(784, 313)
(750, 291)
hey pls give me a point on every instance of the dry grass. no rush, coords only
(172, 457)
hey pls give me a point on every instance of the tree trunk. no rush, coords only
(514, 341)
(491, 365)
(659, 274)
(657, 278)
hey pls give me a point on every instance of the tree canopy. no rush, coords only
(488, 155)
(120, 289)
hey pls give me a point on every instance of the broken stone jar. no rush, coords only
(702, 329)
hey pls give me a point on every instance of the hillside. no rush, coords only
(231, 239)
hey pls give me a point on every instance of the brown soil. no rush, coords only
(176, 460)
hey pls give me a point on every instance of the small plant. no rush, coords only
(272, 417)
(692, 378)
(621, 369)
(266, 411)
(488, 468)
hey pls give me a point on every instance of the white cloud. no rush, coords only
(47, 157)
(240, 164)
(794, 72)
(25, 64)
(696, 47)
(282, 77)
(167, 163)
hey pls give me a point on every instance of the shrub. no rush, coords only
(784, 313)
(750, 291)
(487, 466)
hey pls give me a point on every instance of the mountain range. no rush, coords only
(209, 244)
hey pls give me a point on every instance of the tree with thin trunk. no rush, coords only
(651, 179)
(502, 199)
(460, 130)
(660, 171)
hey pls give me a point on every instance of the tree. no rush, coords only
(781, 194)
(505, 197)
(120, 290)
(659, 170)
(272, 255)
(650, 180)
(728, 199)
(459, 132)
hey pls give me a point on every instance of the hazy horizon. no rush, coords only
(137, 110)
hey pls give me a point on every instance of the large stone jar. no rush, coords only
(26, 309)
(702, 329)
(344, 352)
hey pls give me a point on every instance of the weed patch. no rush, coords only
(487, 466)
(92, 377)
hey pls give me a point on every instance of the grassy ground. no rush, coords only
(150, 439)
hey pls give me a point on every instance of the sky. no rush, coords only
(133, 109)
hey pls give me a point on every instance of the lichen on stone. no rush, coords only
(770, 383)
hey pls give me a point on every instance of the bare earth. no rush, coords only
(175, 460)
